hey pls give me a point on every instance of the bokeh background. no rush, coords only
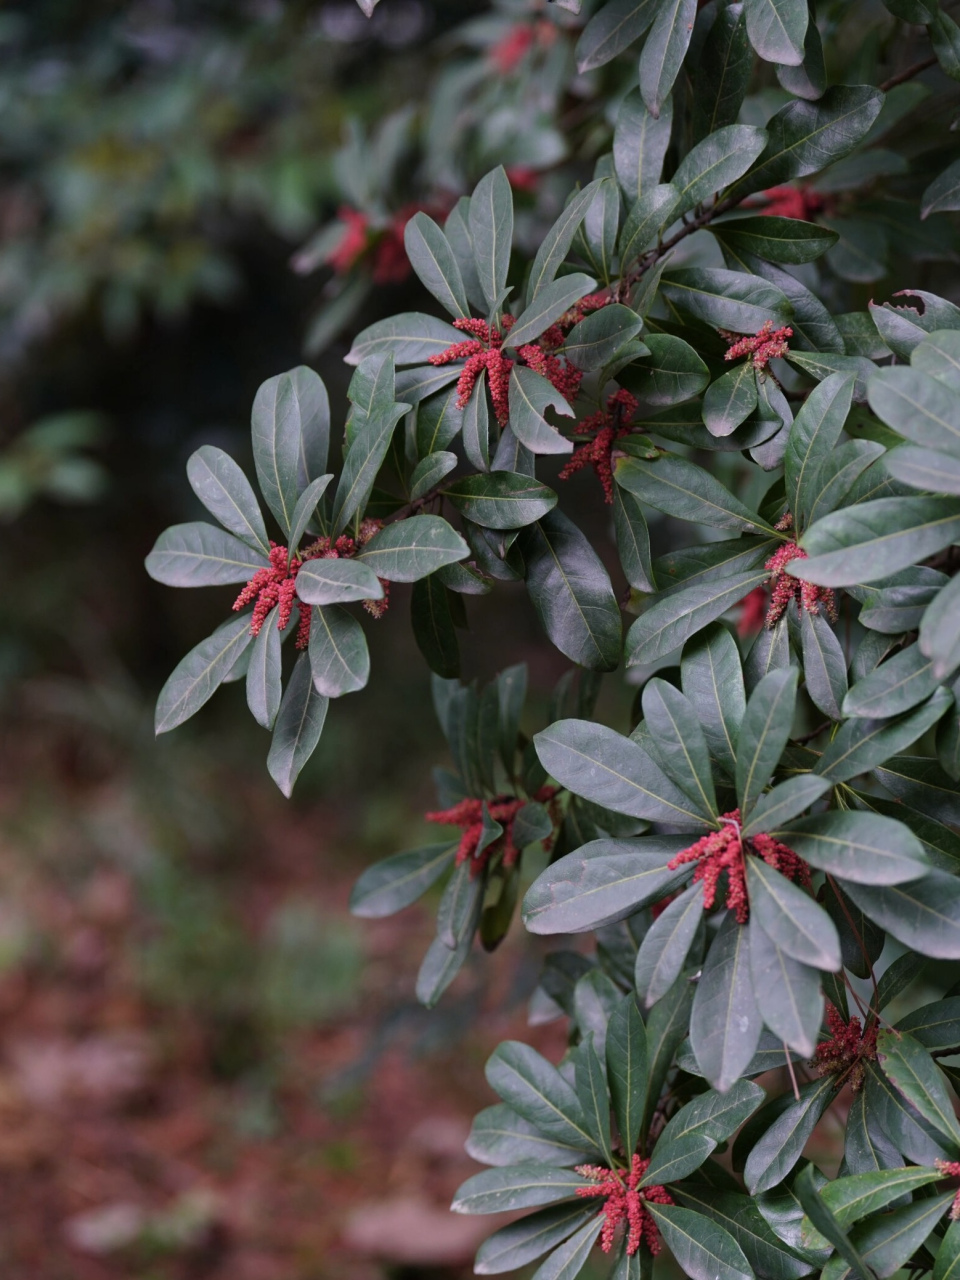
(207, 1068)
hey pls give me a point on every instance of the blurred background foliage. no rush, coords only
(207, 1068)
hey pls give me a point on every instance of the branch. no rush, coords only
(910, 72)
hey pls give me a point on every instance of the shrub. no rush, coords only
(768, 860)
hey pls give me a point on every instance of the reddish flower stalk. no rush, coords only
(609, 425)
(726, 851)
(625, 1203)
(468, 814)
(763, 346)
(277, 586)
(785, 587)
(951, 1169)
(847, 1049)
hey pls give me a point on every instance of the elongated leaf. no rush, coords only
(435, 263)
(201, 555)
(290, 428)
(664, 50)
(412, 548)
(549, 304)
(394, 883)
(714, 163)
(556, 243)
(305, 509)
(521, 1242)
(595, 341)
(633, 540)
(411, 338)
(777, 29)
(571, 592)
(680, 744)
(600, 883)
(501, 500)
(640, 142)
(613, 28)
(763, 735)
(824, 664)
(298, 726)
(591, 1085)
(491, 230)
(626, 1054)
(865, 848)
(787, 991)
(813, 436)
(725, 299)
(339, 658)
(909, 1067)
(860, 745)
(536, 1090)
(227, 494)
(337, 582)
(703, 1249)
(917, 406)
(924, 469)
(895, 686)
(670, 622)
(730, 400)
(776, 1153)
(684, 490)
(653, 211)
(713, 681)
(666, 945)
(851, 1198)
(500, 1137)
(743, 1218)
(196, 678)
(362, 463)
(673, 372)
(923, 914)
(263, 673)
(723, 74)
(875, 539)
(518, 1186)
(792, 919)
(725, 1023)
(568, 1259)
(776, 239)
(530, 397)
(825, 1223)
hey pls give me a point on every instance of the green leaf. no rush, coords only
(671, 621)
(714, 163)
(227, 494)
(290, 427)
(777, 29)
(825, 1223)
(633, 540)
(362, 463)
(725, 299)
(779, 1149)
(791, 918)
(851, 1198)
(521, 1242)
(694, 1131)
(435, 263)
(807, 136)
(550, 303)
(787, 991)
(439, 968)
(763, 735)
(647, 217)
(895, 686)
(433, 626)
(939, 355)
(600, 883)
(476, 426)
(909, 1067)
(613, 771)
(664, 50)
(713, 681)
(730, 400)
(703, 1250)
(875, 539)
(412, 548)
(491, 230)
(263, 673)
(785, 801)
(458, 234)
(666, 945)
(569, 1259)
(640, 142)
(518, 1186)
(394, 883)
(201, 555)
(680, 744)
(536, 1090)
(673, 372)
(429, 471)
(866, 1150)
(860, 745)
(776, 239)
(918, 406)
(557, 242)
(889, 1113)
(723, 74)
(885, 1243)
(571, 592)
(613, 28)
(337, 582)
(824, 664)
(725, 1023)
(688, 492)
(598, 337)
(411, 338)
(196, 678)
(626, 1054)
(298, 726)
(936, 1026)
(865, 848)
(591, 1086)
(742, 1217)
(667, 1025)
(306, 506)
(500, 1137)
(339, 658)
(943, 192)
(924, 469)
(813, 437)
(530, 397)
(501, 500)
(923, 914)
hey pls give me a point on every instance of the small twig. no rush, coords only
(416, 504)
(910, 72)
(814, 733)
(793, 1074)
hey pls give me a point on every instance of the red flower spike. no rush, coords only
(469, 815)
(609, 426)
(724, 851)
(353, 244)
(785, 587)
(277, 586)
(847, 1049)
(625, 1203)
(791, 202)
(766, 344)
(753, 612)
(951, 1169)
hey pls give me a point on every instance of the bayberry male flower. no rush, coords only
(726, 851)
(847, 1049)
(625, 1203)
(785, 587)
(951, 1169)
(763, 346)
(469, 815)
(608, 425)
(481, 351)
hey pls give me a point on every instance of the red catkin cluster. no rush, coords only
(763, 346)
(847, 1049)
(791, 202)
(625, 1203)
(725, 851)
(785, 587)
(276, 587)
(468, 814)
(389, 263)
(951, 1169)
(608, 425)
(509, 51)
